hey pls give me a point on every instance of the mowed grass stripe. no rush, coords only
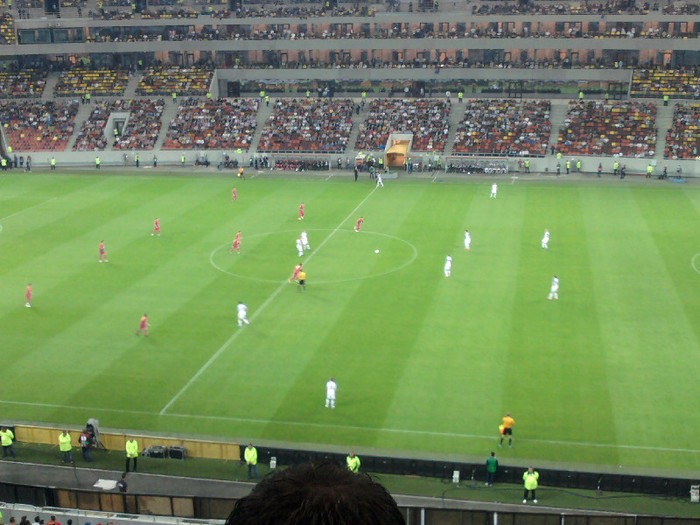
(640, 313)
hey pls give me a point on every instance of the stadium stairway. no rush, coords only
(357, 121)
(664, 120)
(50, 87)
(169, 113)
(557, 116)
(456, 115)
(83, 114)
(264, 113)
(130, 90)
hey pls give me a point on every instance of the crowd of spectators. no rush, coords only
(99, 82)
(683, 136)
(504, 127)
(302, 165)
(310, 125)
(142, 127)
(26, 83)
(7, 29)
(674, 83)
(166, 80)
(427, 119)
(39, 126)
(213, 124)
(626, 129)
(91, 136)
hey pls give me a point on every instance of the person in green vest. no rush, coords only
(364, 97)
(650, 170)
(616, 167)
(578, 165)
(665, 100)
(66, 447)
(530, 479)
(580, 95)
(136, 158)
(7, 438)
(527, 165)
(568, 167)
(558, 154)
(116, 132)
(132, 452)
(98, 161)
(3, 164)
(308, 93)
(460, 96)
(182, 160)
(209, 95)
(88, 96)
(174, 97)
(9, 150)
(491, 468)
(53, 163)
(353, 463)
(251, 458)
(262, 94)
(267, 100)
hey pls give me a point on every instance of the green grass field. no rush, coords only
(425, 365)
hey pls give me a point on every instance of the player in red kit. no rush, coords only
(236, 244)
(28, 295)
(103, 252)
(234, 195)
(359, 224)
(301, 211)
(143, 326)
(156, 227)
(297, 269)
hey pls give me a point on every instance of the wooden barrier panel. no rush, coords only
(183, 507)
(155, 505)
(111, 502)
(30, 434)
(113, 441)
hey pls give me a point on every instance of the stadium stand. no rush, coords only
(660, 82)
(625, 129)
(210, 124)
(428, 120)
(166, 80)
(37, 126)
(7, 29)
(91, 136)
(308, 126)
(99, 82)
(683, 136)
(28, 83)
(504, 127)
(143, 126)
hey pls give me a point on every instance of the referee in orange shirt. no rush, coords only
(508, 423)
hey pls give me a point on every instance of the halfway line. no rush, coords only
(234, 336)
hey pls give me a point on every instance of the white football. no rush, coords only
(376, 251)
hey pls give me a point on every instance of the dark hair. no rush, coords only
(316, 494)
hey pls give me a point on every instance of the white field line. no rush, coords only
(262, 307)
(354, 428)
(27, 209)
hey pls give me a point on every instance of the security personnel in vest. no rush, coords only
(66, 447)
(182, 159)
(88, 96)
(116, 132)
(267, 100)
(353, 463)
(616, 167)
(650, 170)
(262, 94)
(530, 480)
(174, 97)
(97, 163)
(568, 167)
(527, 165)
(558, 154)
(7, 437)
(136, 157)
(308, 93)
(3, 164)
(460, 96)
(53, 163)
(251, 458)
(578, 165)
(132, 452)
(665, 100)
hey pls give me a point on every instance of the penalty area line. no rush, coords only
(355, 428)
(262, 307)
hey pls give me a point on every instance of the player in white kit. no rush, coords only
(242, 314)
(545, 239)
(300, 248)
(331, 387)
(467, 240)
(379, 180)
(554, 290)
(448, 266)
(305, 240)
(494, 190)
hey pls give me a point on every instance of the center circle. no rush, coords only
(353, 250)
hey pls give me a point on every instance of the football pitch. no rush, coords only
(425, 365)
